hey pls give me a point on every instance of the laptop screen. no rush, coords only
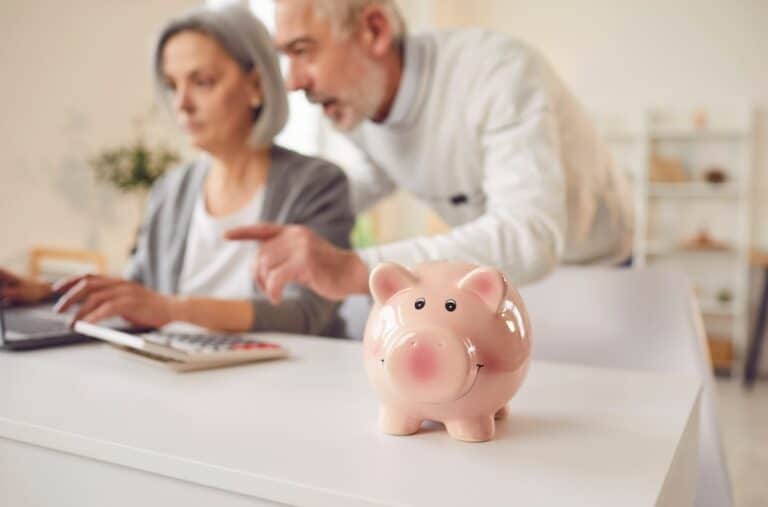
(2, 314)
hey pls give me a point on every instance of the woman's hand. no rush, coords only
(102, 297)
(22, 290)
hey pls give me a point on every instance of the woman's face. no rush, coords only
(212, 97)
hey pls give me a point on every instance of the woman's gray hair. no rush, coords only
(248, 42)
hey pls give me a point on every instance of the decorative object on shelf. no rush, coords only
(678, 196)
(715, 175)
(667, 170)
(700, 118)
(721, 353)
(704, 241)
(134, 166)
(447, 342)
(724, 296)
(696, 289)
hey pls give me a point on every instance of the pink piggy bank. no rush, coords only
(447, 342)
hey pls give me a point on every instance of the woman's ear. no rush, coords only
(255, 95)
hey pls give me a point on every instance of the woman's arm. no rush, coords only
(17, 289)
(102, 297)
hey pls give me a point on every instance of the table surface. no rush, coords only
(304, 430)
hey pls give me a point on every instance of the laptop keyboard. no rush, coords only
(34, 324)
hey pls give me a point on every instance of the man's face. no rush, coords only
(334, 69)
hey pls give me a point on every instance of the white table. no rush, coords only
(89, 426)
(641, 319)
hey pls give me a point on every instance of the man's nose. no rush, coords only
(297, 78)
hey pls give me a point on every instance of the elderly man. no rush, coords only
(474, 124)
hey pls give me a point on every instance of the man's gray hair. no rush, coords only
(248, 42)
(345, 13)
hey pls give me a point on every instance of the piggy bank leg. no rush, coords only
(474, 429)
(502, 413)
(397, 422)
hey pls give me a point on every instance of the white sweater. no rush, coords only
(484, 132)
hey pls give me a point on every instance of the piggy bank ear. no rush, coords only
(388, 279)
(488, 284)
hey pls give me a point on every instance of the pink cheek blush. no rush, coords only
(422, 363)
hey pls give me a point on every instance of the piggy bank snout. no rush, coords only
(430, 366)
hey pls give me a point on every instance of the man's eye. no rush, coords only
(300, 51)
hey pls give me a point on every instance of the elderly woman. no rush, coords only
(221, 76)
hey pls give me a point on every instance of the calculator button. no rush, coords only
(184, 345)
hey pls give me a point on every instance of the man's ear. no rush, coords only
(377, 30)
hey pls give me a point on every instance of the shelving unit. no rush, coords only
(669, 214)
(694, 190)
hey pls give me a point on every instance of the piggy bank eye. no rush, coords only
(450, 305)
(420, 303)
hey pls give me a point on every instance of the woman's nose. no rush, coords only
(183, 100)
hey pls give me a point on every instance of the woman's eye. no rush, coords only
(450, 305)
(420, 303)
(206, 83)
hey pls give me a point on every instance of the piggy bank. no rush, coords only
(447, 342)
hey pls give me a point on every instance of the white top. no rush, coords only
(304, 431)
(484, 132)
(214, 266)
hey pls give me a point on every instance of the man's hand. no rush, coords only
(101, 297)
(16, 289)
(294, 253)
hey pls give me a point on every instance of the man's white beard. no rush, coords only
(365, 101)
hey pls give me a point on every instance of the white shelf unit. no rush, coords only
(633, 140)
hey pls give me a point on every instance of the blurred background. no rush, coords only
(678, 88)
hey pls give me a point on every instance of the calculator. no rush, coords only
(183, 351)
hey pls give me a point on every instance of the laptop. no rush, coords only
(34, 327)
(38, 326)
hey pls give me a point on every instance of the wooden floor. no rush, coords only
(744, 422)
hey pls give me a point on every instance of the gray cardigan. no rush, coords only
(299, 190)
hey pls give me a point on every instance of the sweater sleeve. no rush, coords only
(368, 184)
(522, 231)
(137, 267)
(325, 209)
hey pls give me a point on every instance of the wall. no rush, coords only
(75, 78)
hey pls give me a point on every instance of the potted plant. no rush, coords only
(133, 167)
